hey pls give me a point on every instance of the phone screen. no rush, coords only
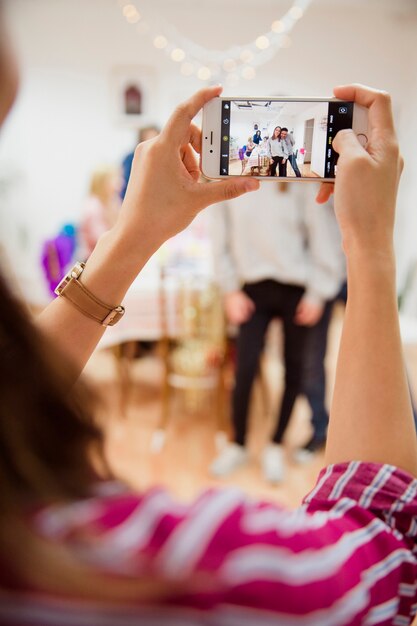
(281, 138)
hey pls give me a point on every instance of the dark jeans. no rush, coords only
(314, 377)
(283, 167)
(277, 162)
(294, 165)
(272, 299)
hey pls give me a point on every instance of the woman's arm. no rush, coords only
(162, 198)
(371, 417)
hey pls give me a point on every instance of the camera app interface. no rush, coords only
(283, 139)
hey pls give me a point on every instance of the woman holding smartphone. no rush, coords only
(76, 551)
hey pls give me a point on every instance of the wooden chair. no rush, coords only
(194, 360)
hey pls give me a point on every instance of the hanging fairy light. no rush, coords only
(131, 13)
(204, 73)
(262, 42)
(177, 55)
(229, 65)
(160, 42)
(296, 12)
(278, 26)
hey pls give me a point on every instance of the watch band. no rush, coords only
(86, 302)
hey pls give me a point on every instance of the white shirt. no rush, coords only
(277, 147)
(284, 236)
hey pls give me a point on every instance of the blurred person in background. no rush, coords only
(145, 133)
(57, 255)
(257, 137)
(275, 256)
(101, 208)
(274, 150)
(249, 146)
(74, 551)
(290, 142)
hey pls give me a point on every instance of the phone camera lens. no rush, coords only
(211, 151)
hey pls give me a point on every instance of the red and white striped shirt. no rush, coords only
(346, 556)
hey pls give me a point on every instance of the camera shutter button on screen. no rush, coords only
(363, 139)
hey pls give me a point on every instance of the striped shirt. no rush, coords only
(347, 556)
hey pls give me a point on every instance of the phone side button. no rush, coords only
(363, 139)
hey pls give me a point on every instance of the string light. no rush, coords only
(130, 11)
(296, 12)
(262, 42)
(178, 55)
(134, 18)
(229, 65)
(204, 73)
(160, 42)
(278, 26)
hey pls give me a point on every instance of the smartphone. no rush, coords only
(289, 138)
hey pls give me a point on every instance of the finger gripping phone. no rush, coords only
(288, 138)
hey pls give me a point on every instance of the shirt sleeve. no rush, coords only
(389, 493)
(348, 552)
(223, 261)
(327, 269)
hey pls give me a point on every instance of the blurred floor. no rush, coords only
(182, 465)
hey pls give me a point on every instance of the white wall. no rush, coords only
(316, 112)
(63, 124)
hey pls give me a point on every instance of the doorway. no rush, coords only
(308, 139)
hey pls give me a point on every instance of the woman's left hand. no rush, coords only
(308, 313)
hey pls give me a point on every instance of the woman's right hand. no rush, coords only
(164, 192)
(367, 179)
(239, 308)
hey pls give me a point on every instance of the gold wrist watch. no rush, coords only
(71, 288)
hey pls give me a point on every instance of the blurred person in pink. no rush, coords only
(101, 207)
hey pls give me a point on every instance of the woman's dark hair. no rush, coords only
(279, 134)
(46, 422)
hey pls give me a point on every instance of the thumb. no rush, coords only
(346, 143)
(226, 190)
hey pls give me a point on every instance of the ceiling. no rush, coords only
(396, 7)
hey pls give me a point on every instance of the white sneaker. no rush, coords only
(302, 456)
(229, 459)
(273, 463)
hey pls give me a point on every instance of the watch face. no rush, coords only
(77, 270)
